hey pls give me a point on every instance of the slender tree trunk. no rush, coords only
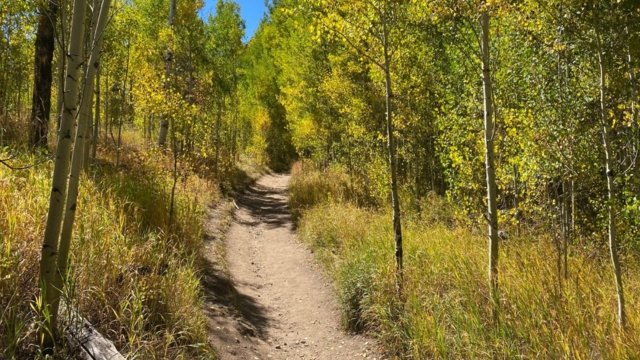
(60, 98)
(119, 143)
(164, 130)
(234, 144)
(144, 129)
(123, 107)
(152, 122)
(391, 147)
(86, 106)
(78, 154)
(43, 74)
(63, 41)
(18, 96)
(632, 79)
(611, 193)
(48, 262)
(86, 137)
(96, 123)
(60, 79)
(634, 91)
(218, 121)
(175, 179)
(566, 230)
(164, 121)
(145, 124)
(3, 103)
(107, 110)
(492, 214)
(3, 77)
(516, 204)
(573, 208)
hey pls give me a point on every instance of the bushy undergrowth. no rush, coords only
(445, 308)
(134, 274)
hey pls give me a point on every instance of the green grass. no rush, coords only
(445, 309)
(134, 276)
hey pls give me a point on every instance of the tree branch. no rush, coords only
(5, 162)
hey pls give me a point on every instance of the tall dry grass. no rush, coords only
(445, 309)
(310, 186)
(134, 275)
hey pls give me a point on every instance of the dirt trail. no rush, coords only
(277, 304)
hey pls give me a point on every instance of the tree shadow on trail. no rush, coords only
(266, 205)
(222, 299)
(224, 305)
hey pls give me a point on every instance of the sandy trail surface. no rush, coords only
(276, 303)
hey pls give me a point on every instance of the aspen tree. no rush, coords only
(48, 261)
(86, 107)
(489, 136)
(164, 121)
(360, 34)
(96, 122)
(78, 156)
(43, 74)
(391, 150)
(612, 207)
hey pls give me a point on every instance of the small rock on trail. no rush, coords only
(277, 304)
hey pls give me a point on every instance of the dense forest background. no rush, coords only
(399, 115)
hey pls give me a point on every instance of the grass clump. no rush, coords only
(445, 310)
(134, 274)
(309, 186)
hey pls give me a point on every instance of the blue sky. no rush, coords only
(251, 10)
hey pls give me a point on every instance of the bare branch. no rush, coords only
(5, 162)
(357, 48)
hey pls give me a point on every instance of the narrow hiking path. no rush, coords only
(277, 304)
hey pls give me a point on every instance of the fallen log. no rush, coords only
(83, 337)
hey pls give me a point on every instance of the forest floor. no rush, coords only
(265, 295)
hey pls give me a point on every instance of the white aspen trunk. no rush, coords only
(60, 96)
(218, 121)
(234, 149)
(515, 198)
(86, 138)
(63, 42)
(634, 92)
(48, 261)
(234, 102)
(78, 157)
(632, 80)
(573, 208)
(96, 123)
(391, 147)
(564, 205)
(86, 109)
(612, 206)
(122, 112)
(566, 232)
(120, 120)
(164, 121)
(107, 112)
(492, 213)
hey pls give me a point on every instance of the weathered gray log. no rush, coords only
(82, 336)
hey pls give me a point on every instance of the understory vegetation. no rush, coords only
(455, 121)
(135, 272)
(162, 140)
(444, 310)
